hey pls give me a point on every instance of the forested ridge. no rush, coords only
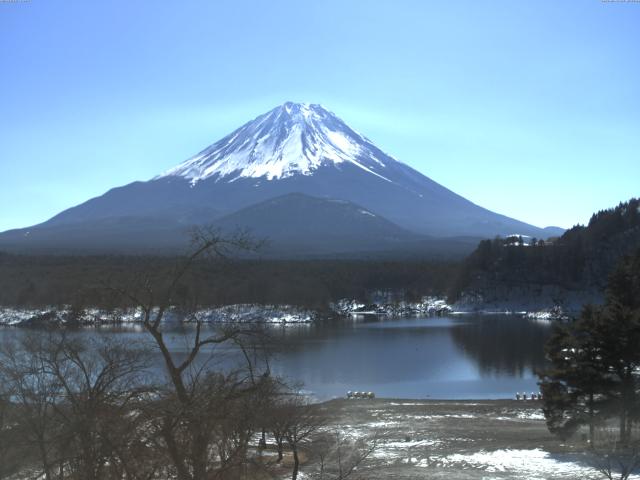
(581, 259)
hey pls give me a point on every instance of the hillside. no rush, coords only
(515, 273)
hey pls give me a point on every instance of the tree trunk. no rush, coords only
(591, 420)
(296, 462)
(45, 461)
(623, 425)
(198, 451)
(280, 444)
(174, 452)
(626, 407)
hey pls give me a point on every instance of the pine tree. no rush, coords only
(574, 387)
(595, 361)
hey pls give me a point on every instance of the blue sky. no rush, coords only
(531, 109)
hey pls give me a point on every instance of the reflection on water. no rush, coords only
(436, 357)
(503, 345)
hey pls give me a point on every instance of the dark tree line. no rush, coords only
(42, 281)
(580, 259)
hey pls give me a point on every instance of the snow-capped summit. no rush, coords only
(294, 138)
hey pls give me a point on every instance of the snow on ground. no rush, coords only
(257, 313)
(427, 306)
(12, 316)
(488, 440)
(238, 313)
(242, 313)
(53, 315)
(534, 464)
(530, 415)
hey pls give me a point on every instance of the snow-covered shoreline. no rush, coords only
(240, 313)
(431, 305)
(253, 313)
(427, 306)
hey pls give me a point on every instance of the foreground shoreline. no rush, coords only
(461, 439)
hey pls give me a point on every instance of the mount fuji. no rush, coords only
(298, 175)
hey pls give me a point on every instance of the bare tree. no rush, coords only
(73, 398)
(278, 426)
(340, 457)
(301, 422)
(101, 382)
(203, 433)
(7, 430)
(34, 391)
(301, 426)
(614, 459)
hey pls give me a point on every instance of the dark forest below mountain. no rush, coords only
(37, 281)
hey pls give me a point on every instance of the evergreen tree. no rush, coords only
(595, 361)
(574, 386)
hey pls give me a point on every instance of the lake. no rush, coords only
(456, 357)
(453, 357)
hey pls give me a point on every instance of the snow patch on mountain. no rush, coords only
(295, 138)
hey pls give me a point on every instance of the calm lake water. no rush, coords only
(457, 357)
(436, 357)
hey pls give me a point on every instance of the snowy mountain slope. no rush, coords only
(293, 139)
(294, 148)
